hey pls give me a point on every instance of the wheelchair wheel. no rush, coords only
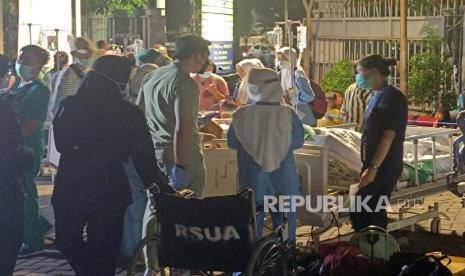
(268, 258)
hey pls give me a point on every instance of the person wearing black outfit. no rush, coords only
(15, 159)
(382, 144)
(95, 132)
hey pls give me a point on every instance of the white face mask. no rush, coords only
(206, 75)
(253, 90)
(284, 64)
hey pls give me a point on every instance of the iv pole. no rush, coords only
(290, 42)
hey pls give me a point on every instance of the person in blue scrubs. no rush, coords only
(30, 99)
(265, 134)
(382, 139)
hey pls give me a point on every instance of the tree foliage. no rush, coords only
(430, 74)
(339, 77)
(108, 6)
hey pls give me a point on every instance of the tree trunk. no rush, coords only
(403, 47)
(307, 55)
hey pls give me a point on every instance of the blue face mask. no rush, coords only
(26, 72)
(363, 83)
(84, 62)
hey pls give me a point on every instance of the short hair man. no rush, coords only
(170, 98)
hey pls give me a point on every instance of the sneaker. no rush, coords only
(26, 250)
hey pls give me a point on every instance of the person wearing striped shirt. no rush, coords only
(354, 105)
(69, 79)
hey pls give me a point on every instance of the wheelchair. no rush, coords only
(212, 235)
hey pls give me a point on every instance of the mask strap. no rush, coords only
(108, 77)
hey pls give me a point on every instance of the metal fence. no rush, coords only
(384, 8)
(351, 29)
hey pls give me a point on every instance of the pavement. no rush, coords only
(450, 240)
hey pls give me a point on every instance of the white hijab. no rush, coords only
(246, 65)
(286, 70)
(264, 129)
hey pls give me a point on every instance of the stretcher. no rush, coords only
(330, 162)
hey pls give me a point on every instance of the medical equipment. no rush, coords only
(329, 163)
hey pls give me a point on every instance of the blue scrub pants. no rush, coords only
(134, 216)
(383, 185)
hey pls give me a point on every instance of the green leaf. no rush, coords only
(430, 74)
(339, 77)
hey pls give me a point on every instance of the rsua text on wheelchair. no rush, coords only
(214, 234)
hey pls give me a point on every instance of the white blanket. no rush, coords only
(344, 146)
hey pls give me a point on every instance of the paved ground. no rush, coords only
(450, 241)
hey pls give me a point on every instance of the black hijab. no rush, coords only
(105, 80)
(95, 113)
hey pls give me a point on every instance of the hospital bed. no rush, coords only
(330, 162)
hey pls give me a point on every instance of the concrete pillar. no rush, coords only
(403, 47)
(153, 27)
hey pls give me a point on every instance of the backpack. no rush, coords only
(319, 105)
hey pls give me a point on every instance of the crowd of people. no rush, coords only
(123, 124)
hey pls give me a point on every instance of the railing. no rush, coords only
(433, 136)
(383, 8)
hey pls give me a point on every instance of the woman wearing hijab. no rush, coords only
(95, 132)
(243, 68)
(305, 94)
(265, 134)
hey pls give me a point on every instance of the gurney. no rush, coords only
(428, 156)
(330, 162)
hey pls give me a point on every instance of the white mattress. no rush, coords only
(344, 146)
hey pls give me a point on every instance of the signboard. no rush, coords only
(223, 55)
(217, 27)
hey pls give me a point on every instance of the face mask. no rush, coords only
(122, 86)
(84, 62)
(26, 72)
(284, 64)
(363, 83)
(206, 75)
(253, 91)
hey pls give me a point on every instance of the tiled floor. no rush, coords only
(450, 241)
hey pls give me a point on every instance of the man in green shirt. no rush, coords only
(170, 98)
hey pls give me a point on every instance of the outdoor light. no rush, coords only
(39, 23)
